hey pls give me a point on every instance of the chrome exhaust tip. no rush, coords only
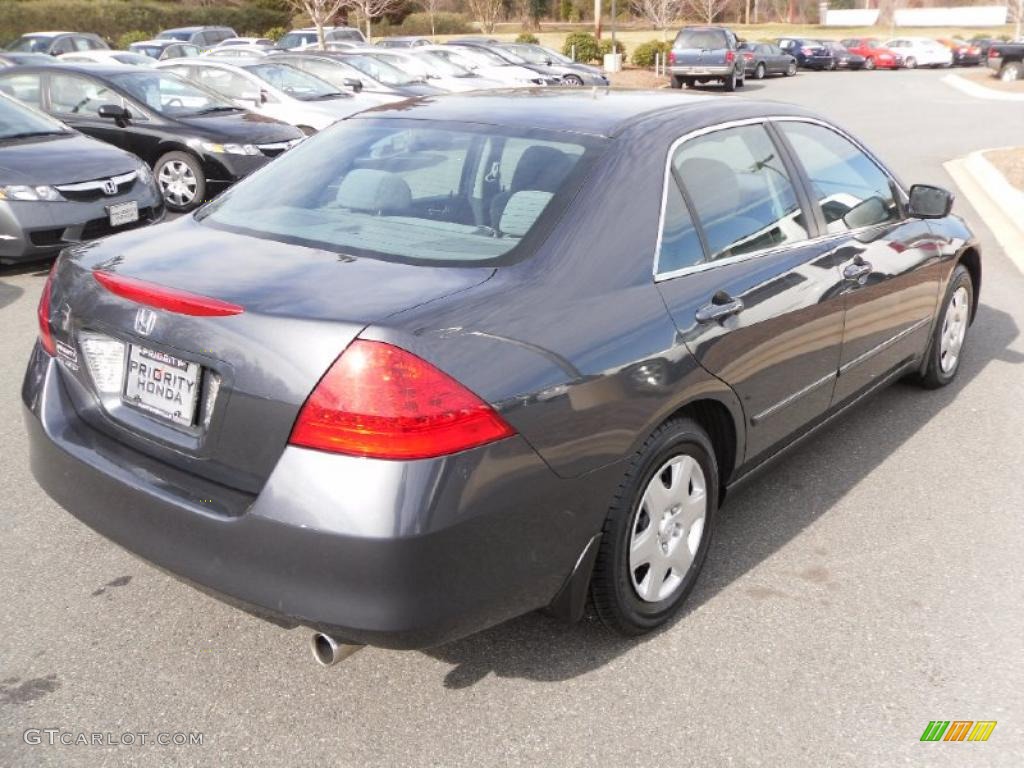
(328, 651)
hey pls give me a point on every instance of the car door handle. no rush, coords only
(858, 269)
(722, 306)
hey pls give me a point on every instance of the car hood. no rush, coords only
(243, 127)
(61, 159)
(419, 89)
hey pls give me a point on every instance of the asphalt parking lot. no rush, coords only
(867, 584)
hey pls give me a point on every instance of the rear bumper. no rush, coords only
(395, 554)
(817, 62)
(35, 230)
(692, 70)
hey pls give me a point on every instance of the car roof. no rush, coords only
(48, 34)
(599, 112)
(88, 68)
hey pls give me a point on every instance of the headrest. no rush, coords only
(522, 211)
(541, 167)
(713, 186)
(372, 191)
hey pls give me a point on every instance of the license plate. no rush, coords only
(162, 384)
(123, 213)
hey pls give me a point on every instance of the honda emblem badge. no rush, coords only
(145, 321)
(110, 186)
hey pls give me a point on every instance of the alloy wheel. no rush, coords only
(954, 329)
(759, 72)
(910, 63)
(177, 183)
(667, 528)
(572, 81)
(1010, 72)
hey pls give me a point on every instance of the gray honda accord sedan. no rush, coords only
(458, 359)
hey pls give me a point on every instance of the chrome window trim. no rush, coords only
(764, 120)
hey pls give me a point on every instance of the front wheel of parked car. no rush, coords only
(910, 62)
(1010, 72)
(950, 332)
(791, 69)
(869, 64)
(658, 529)
(759, 72)
(181, 180)
(572, 81)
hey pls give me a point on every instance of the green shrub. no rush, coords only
(643, 54)
(527, 37)
(586, 45)
(112, 18)
(276, 33)
(134, 36)
(605, 46)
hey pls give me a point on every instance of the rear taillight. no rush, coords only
(43, 313)
(378, 400)
(671, 57)
(161, 297)
(993, 53)
(748, 56)
(807, 51)
(730, 56)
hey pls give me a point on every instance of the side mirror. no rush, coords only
(928, 202)
(113, 112)
(354, 83)
(264, 96)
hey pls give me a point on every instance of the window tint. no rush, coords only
(24, 88)
(223, 82)
(701, 38)
(741, 192)
(842, 178)
(64, 45)
(680, 243)
(73, 95)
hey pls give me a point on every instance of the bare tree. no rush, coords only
(370, 9)
(659, 13)
(432, 7)
(320, 12)
(486, 12)
(707, 10)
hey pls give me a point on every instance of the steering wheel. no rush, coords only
(175, 102)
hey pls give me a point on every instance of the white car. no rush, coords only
(921, 52)
(435, 69)
(261, 42)
(238, 52)
(108, 57)
(486, 64)
(273, 89)
(299, 39)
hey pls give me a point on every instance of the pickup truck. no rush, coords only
(700, 54)
(1007, 60)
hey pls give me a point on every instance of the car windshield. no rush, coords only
(295, 83)
(414, 66)
(135, 59)
(484, 56)
(295, 39)
(442, 66)
(170, 95)
(182, 35)
(410, 190)
(526, 53)
(379, 70)
(17, 121)
(31, 44)
(701, 38)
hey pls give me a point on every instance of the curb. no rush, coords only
(1000, 205)
(980, 91)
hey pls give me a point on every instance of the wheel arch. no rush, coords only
(723, 429)
(970, 257)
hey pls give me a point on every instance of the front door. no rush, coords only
(741, 275)
(76, 100)
(890, 264)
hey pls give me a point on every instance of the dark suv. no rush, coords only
(700, 54)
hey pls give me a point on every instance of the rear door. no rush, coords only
(741, 274)
(889, 263)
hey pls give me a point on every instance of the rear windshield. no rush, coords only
(183, 35)
(414, 191)
(702, 38)
(31, 44)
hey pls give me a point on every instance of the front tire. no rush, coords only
(869, 64)
(791, 69)
(181, 180)
(658, 530)
(946, 350)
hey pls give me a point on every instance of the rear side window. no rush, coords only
(25, 88)
(702, 38)
(412, 191)
(852, 191)
(680, 245)
(741, 192)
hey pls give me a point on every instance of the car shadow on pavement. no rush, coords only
(759, 519)
(11, 293)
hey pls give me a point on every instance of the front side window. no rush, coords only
(170, 95)
(223, 82)
(852, 191)
(73, 95)
(741, 192)
(411, 191)
(17, 121)
(297, 84)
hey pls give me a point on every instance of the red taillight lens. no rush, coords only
(807, 51)
(671, 57)
(380, 401)
(748, 56)
(993, 53)
(171, 299)
(730, 56)
(43, 313)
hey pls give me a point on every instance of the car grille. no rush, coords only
(277, 147)
(88, 191)
(101, 227)
(90, 230)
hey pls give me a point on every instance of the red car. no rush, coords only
(875, 54)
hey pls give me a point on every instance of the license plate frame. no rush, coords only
(162, 385)
(120, 214)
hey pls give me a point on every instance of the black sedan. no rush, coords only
(809, 54)
(461, 358)
(844, 58)
(763, 59)
(197, 142)
(58, 187)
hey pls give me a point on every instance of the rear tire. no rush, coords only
(677, 82)
(945, 353)
(791, 69)
(869, 64)
(910, 63)
(1010, 72)
(658, 530)
(730, 83)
